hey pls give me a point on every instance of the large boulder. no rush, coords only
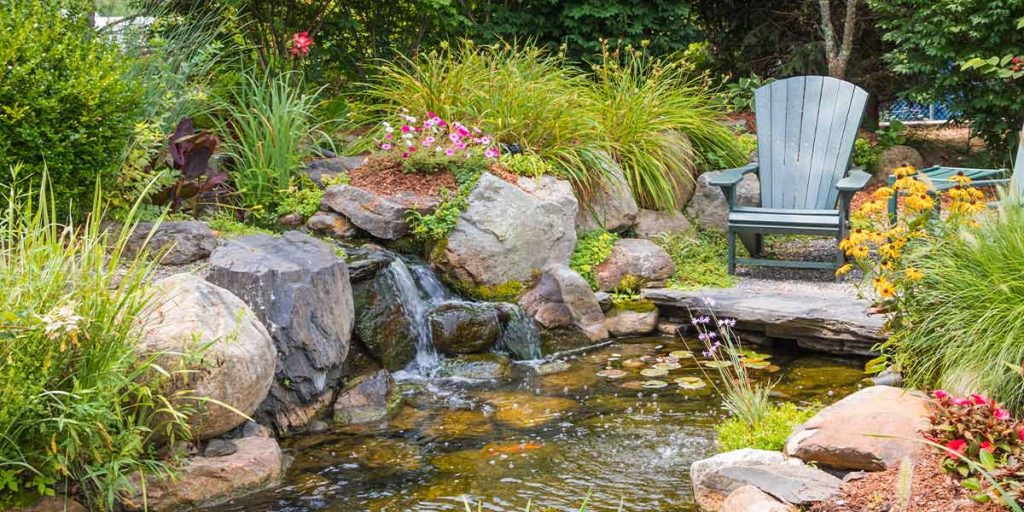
(390, 313)
(300, 290)
(751, 499)
(201, 482)
(381, 216)
(611, 205)
(635, 257)
(332, 167)
(507, 234)
(561, 299)
(460, 327)
(230, 356)
(844, 434)
(629, 322)
(702, 469)
(650, 223)
(476, 367)
(789, 481)
(181, 242)
(708, 207)
(897, 156)
(367, 398)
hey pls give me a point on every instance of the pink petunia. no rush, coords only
(979, 399)
(491, 153)
(450, 151)
(454, 137)
(406, 128)
(428, 141)
(386, 146)
(940, 394)
(405, 155)
(1001, 414)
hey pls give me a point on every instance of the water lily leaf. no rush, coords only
(611, 373)
(667, 366)
(654, 384)
(633, 363)
(757, 365)
(633, 384)
(653, 372)
(681, 354)
(690, 382)
(773, 368)
(715, 364)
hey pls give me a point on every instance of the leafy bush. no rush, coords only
(768, 434)
(965, 318)
(66, 101)
(700, 260)
(592, 249)
(75, 401)
(302, 197)
(740, 94)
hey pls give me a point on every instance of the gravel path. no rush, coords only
(796, 280)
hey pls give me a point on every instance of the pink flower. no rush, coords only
(491, 153)
(957, 446)
(405, 155)
(987, 446)
(412, 149)
(1001, 414)
(1020, 433)
(428, 141)
(301, 43)
(406, 128)
(940, 394)
(454, 137)
(485, 139)
(979, 399)
(462, 130)
(450, 151)
(460, 145)
(388, 136)
(386, 146)
(960, 401)
(431, 115)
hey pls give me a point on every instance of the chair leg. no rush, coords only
(892, 202)
(758, 245)
(732, 251)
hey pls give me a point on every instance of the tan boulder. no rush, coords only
(897, 156)
(751, 499)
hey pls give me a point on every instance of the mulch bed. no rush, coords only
(865, 195)
(931, 490)
(384, 176)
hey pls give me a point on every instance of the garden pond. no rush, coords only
(549, 439)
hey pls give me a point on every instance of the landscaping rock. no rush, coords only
(796, 484)
(634, 257)
(364, 262)
(291, 220)
(551, 189)
(332, 225)
(220, 448)
(701, 470)
(840, 436)
(383, 217)
(476, 367)
(562, 298)
(650, 223)
(318, 169)
(751, 499)
(460, 327)
(671, 328)
(519, 336)
(185, 241)
(390, 315)
(708, 207)
(50, 504)
(205, 482)
(625, 322)
(367, 398)
(897, 156)
(236, 353)
(507, 234)
(611, 206)
(300, 290)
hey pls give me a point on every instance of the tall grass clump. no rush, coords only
(74, 398)
(642, 104)
(268, 125)
(519, 93)
(744, 396)
(965, 322)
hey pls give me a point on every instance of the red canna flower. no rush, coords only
(957, 446)
(301, 43)
(940, 394)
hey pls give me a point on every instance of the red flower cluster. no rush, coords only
(301, 43)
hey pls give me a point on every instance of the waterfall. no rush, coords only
(519, 335)
(431, 287)
(416, 309)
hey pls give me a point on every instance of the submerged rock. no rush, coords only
(476, 367)
(300, 290)
(184, 241)
(458, 424)
(561, 299)
(234, 355)
(611, 206)
(507, 234)
(367, 398)
(460, 327)
(638, 258)
(627, 322)
(383, 217)
(526, 410)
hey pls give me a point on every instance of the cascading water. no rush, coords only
(431, 287)
(416, 309)
(519, 335)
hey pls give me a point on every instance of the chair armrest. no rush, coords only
(856, 180)
(730, 177)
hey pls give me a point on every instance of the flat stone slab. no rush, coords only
(825, 320)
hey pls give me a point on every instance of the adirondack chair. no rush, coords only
(805, 131)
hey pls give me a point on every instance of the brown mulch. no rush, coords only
(384, 176)
(865, 195)
(931, 490)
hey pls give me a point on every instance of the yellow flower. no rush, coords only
(884, 288)
(887, 266)
(913, 274)
(843, 270)
(883, 193)
(889, 251)
(859, 252)
(920, 202)
(960, 179)
(904, 171)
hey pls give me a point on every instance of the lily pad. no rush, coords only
(667, 366)
(654, 384)
(715, 364)
(757, 365)
(653, 372)
(690, 382)
(633, 384)
(611, 373)
(681, 354)
(773, 368)
(633, 363)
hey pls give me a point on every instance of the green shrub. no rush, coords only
(700, 260)
(769, 434)
(508, 291)
(965, 321)
(592, 249)
(434, 228)
(302, 197)
(75, 401)
(66, 102)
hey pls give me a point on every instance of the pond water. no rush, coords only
(546, 439)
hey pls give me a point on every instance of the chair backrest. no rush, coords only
(1016, 185)
(806, 126)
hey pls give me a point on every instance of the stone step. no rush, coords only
(827, 321)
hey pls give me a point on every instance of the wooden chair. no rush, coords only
(806, 127)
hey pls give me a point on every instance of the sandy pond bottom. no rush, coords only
(549, 439)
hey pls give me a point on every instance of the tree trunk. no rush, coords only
(838, 47)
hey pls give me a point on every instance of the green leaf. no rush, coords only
(971, 484)
(987, 460)
(981, 498)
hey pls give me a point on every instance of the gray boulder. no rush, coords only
(708, 207)
(368, 398)
(611, 206)
(787, 480)
(235, 354)
(300, 290)
(383, 217)
(507, 234)
(476, 367)
(460, 327)
(561, 299)
(650, 223)
(635, 257)
(332, 225)
(390, 314)
(184, 241)
(332, 167)
(627, 322)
